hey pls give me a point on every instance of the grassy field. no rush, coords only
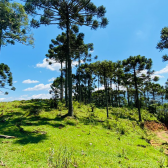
(88, 140)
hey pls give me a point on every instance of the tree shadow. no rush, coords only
(13, 127)
(31, 138)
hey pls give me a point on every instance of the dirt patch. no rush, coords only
(163, 135)
(155, 126)
(161, 131)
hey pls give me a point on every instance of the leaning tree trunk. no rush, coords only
(70, 108)
(137, 97)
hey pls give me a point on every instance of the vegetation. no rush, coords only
(81, 125)
(13, 27)
(67, 14)
(44, 138)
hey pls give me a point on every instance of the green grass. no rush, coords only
(44, 139)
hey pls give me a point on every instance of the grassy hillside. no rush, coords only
(45, 139)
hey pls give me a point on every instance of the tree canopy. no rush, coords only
(14, 24)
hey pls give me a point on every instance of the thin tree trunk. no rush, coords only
(79, 84)
(0, 38)
(66, 82)
(89, 90)
(128, 96)
(153, 95)
(70, 110)
(61, 96)
(105, 84)
(118, 93)
(98, 91)
(137, 97)
(85, 91)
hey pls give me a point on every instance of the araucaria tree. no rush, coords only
(66, 13)
(163, 44)
(135, 65)
(5, 77)
(14, 25)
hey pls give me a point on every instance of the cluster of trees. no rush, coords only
(129, 82)
(129, 79)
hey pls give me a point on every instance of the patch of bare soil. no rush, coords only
(155, 126)
(161, 131)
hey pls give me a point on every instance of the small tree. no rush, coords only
(104, 69)
(135, 65)
(5, 77)
(56, 90)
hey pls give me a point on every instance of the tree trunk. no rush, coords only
(85, 90)
(66, 82)
(105, 84)
(153, 95)
(70, 109)
(79, 84)
(98, 91)
(61, 96)
(137, 97)
(128, 96)
(118, 93)
(0, 38)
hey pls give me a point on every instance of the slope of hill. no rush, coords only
(43, 138)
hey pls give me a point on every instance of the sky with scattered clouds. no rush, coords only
(134, 29)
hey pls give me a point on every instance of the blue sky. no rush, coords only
(134, 29)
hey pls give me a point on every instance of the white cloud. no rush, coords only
(51, 80)
(23, 97)
(41, 96)
(153, 75)
(91, 51)
(53, 67)
(30, 81)
(39, 87)
(164, 70)
(1, 99)
(15, 82)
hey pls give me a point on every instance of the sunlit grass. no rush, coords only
(86, 140)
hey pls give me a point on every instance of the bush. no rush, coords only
(162, 113)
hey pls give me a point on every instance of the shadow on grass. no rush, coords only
(21, 137)
(31, 138)
(35, 105)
